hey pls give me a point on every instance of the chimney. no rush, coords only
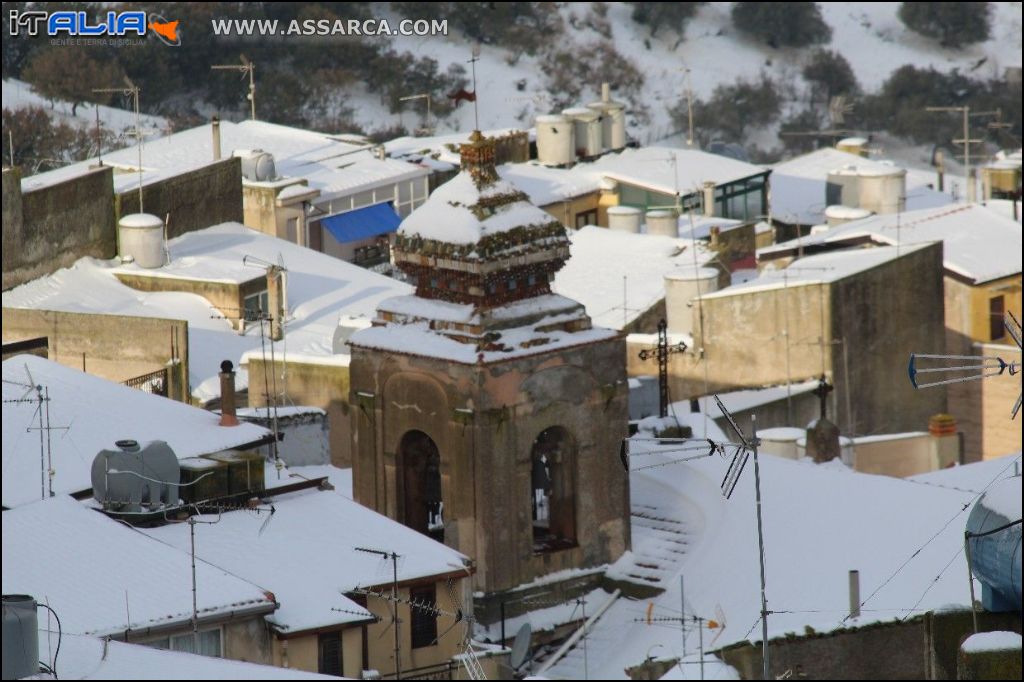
(972, 187)
(381, 152)
(715, 234)
(275, 301)
(606, 92)
(709, 199)
(854, 594)
(215, 125)
(228, 416)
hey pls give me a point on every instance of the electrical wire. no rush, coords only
(60, 636)
(916, 552)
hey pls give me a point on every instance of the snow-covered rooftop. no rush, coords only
(333, 164)
(746, 399)
(817, 527)
(545, 185)
(448, 215)
(798, 185)
(601, 258)
(314, 534)
(822, 268)
(320, 290)
(653, 168)
(973, 477)
(83, 657)
(439, 149)
(95, 412)
(979, 243)
(93, 571)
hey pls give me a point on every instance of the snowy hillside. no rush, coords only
(20, 95)
(869, 35)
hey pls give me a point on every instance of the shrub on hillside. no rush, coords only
(953, 24)
(782, 24)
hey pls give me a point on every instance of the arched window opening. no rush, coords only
(552, 490)
(421, 466)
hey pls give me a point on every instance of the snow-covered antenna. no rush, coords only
(246, 67)
(977, 366)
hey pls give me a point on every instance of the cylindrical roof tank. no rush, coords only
(624, 218)
(20, 637)
(556, 140)
(882, 190)
(140, 238)
(995, 555)
(682, 286)
(839, 215)
(662, 223)
(781, 441)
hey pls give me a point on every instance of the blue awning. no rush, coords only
(362, 223)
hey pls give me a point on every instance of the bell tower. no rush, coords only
(488, 411)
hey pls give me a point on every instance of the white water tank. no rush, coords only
(624, 219)
(682, 287)
(781, 441)
(556, 140)
(664, 223)
(588, 132)
(257, 165)
(882, 190)
(839, 215)
(140, 238)
(842, 187)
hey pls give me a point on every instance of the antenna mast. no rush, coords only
(395, 620)
(130, 89)
(246, 67)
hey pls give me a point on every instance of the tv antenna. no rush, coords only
(476, 110)
(741, 452)
(661, 353)
(192, 522)
(427, 129)
(42, 411)
(977, 367)
(132, 90)
(395, 620)
(246, 67)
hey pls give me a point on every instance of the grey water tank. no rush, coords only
(130, 477)
(995, 556)
(21, 637)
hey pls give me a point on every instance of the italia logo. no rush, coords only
(112, 24)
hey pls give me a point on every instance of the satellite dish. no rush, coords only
(521, 647)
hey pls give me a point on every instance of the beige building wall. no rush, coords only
(302, 652)
(227, 297)
(566, 211)
(317, 385)
(264, 211)
(899, 457)
(112, 347)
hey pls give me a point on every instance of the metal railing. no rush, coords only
(154, 382)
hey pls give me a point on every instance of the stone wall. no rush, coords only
(113, 347)
(195, 200)
(50, 228)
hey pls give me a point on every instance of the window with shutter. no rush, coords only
(329, 648)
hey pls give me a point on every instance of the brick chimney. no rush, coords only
(228, 416)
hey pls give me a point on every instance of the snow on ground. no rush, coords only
(817, 526)
(992, 641)
(91, 658)
(869, 35)
(20, 95)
